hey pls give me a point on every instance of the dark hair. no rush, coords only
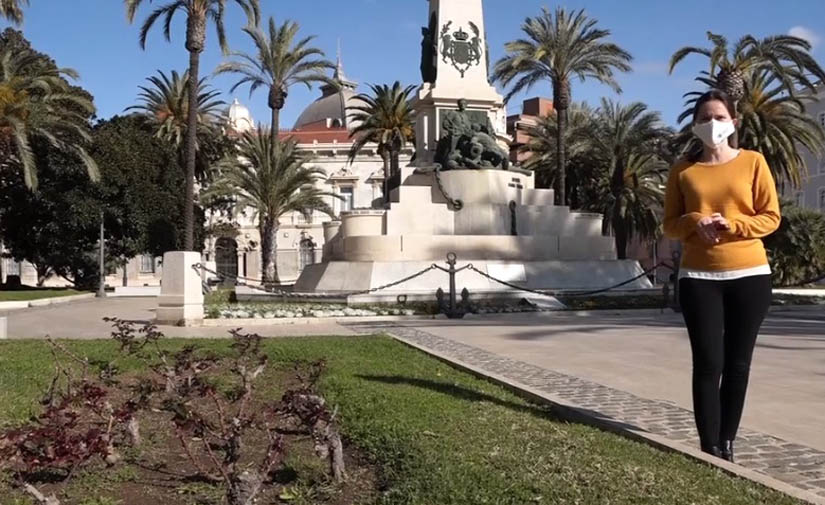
(714, 94)
(694, 151)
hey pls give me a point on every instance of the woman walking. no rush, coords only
(720, 204)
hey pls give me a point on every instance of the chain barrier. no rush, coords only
(291, 294)
(549, 292)
(245, 281)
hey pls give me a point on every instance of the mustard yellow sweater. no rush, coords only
(742, 190)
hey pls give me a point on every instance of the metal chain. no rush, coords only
(575, 293)
(456, 203)
(292, 294)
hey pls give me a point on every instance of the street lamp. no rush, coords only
(101, 287)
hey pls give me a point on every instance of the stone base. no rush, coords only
(181, 296)
(346, 276)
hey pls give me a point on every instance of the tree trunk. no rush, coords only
(618, 223)
(191, 151)
(276, 124)
(385, 157)
(276, 101)
(125, 274)
(734, 138)
(42, 274)
(620, 232)
(268, 232)
(561, 178)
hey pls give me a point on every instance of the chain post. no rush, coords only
(451, 259)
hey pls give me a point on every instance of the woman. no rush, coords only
(720, 204)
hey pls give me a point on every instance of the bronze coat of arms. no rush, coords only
(459, 48)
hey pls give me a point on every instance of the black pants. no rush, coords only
(723, 319)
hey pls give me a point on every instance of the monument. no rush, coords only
(462, 195)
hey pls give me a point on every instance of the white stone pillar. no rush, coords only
(181, 294)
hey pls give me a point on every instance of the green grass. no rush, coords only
(27, 294)
(443, 437)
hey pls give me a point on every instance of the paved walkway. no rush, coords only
(636, 370)
(84, 319)
(633, 369)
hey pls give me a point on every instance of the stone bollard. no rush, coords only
(3, 328)
(181, 292)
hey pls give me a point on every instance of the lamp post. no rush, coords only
(101, 288)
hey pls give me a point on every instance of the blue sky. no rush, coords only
(381, 42)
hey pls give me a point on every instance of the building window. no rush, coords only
(799, 198)
(307, 253)
(147, 264)
(11, 267)
(822, 199)
(348, 195)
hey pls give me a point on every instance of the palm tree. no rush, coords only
(272, 179)
(280, 62)
(772, 122)
(776, 124)
(559, 48)
(11, 10)
(37, 101)
(166, 105)
(632, 185)
(384, 118)
(542, 147)
(785, 56)
(198, 13)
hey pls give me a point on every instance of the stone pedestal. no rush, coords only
(181, 296)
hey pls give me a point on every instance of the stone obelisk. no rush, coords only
(454, 65)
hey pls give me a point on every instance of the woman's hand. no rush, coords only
(720, 222)
(708, 230)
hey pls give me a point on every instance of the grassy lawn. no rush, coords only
(26, 294)
(439, 436)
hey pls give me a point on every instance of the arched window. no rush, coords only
(307, 253)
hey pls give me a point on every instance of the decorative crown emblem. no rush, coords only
(461, 35)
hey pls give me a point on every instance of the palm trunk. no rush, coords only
(619, 231)
(618, 224)
(276, 124)
(385, 195)
(268, 232)
(561, 178)
(734, 139)
(191, 150)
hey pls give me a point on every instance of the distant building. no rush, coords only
(517, 124)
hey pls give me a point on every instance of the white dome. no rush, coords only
(240, 119)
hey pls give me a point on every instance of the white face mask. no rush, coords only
(714, 132)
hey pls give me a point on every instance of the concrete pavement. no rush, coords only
(84, 319)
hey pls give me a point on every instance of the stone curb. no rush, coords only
(283, 321)
(571, 412)
(43, 302)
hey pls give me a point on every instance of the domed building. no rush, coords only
(322, 129)
(239, 118)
